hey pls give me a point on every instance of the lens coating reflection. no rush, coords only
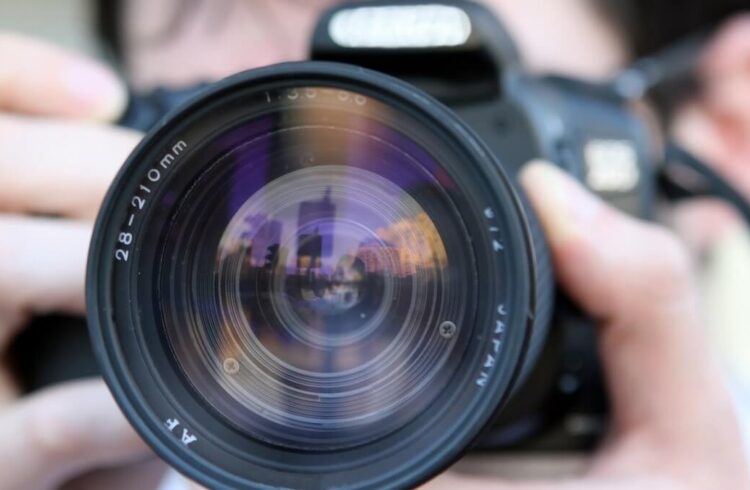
(306, 275)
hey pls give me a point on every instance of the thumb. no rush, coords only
(636, 279)
(41, 79)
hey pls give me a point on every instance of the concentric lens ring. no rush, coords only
(329, 286)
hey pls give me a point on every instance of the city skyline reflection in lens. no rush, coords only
(306, 273)
(330, 275)
(336, 261)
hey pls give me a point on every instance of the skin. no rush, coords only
(674, 425)
(716, 126)
(235, 35)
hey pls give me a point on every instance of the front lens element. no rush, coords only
(306, 274)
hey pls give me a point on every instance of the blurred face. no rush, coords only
(181, 42)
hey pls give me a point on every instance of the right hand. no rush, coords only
(674, 426)
(58, 155)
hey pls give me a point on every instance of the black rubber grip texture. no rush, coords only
(544, 294)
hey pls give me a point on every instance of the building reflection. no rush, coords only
(315, 225)
(329, 291)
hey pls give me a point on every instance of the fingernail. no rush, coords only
(96, 87)
(564, 206)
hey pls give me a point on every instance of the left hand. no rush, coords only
(57, 158)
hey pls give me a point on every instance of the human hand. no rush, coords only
(57, 158)
(674, 425)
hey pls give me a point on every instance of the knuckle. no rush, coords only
(671, 263)
(51, 436)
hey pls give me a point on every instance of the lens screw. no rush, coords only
(448, 329)
(231, 366)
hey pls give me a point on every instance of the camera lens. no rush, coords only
(303, 300)
(313, 276)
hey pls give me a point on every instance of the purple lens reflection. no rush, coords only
(320, 255)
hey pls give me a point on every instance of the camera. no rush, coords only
(324, 274)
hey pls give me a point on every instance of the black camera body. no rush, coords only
(551, 395)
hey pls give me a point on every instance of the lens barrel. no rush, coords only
(314, 276)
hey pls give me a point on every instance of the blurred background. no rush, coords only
(69, 24)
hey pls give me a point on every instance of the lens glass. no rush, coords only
(315, 275)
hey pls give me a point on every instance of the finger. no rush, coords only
(40, 79)
(636, 278)
(64, 431)
(175, 480)
(193, 486)
(145, 475)
(728, 50)
(701, 223)
(56, 167)
(42, 269)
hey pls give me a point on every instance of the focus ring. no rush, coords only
(544, 291)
